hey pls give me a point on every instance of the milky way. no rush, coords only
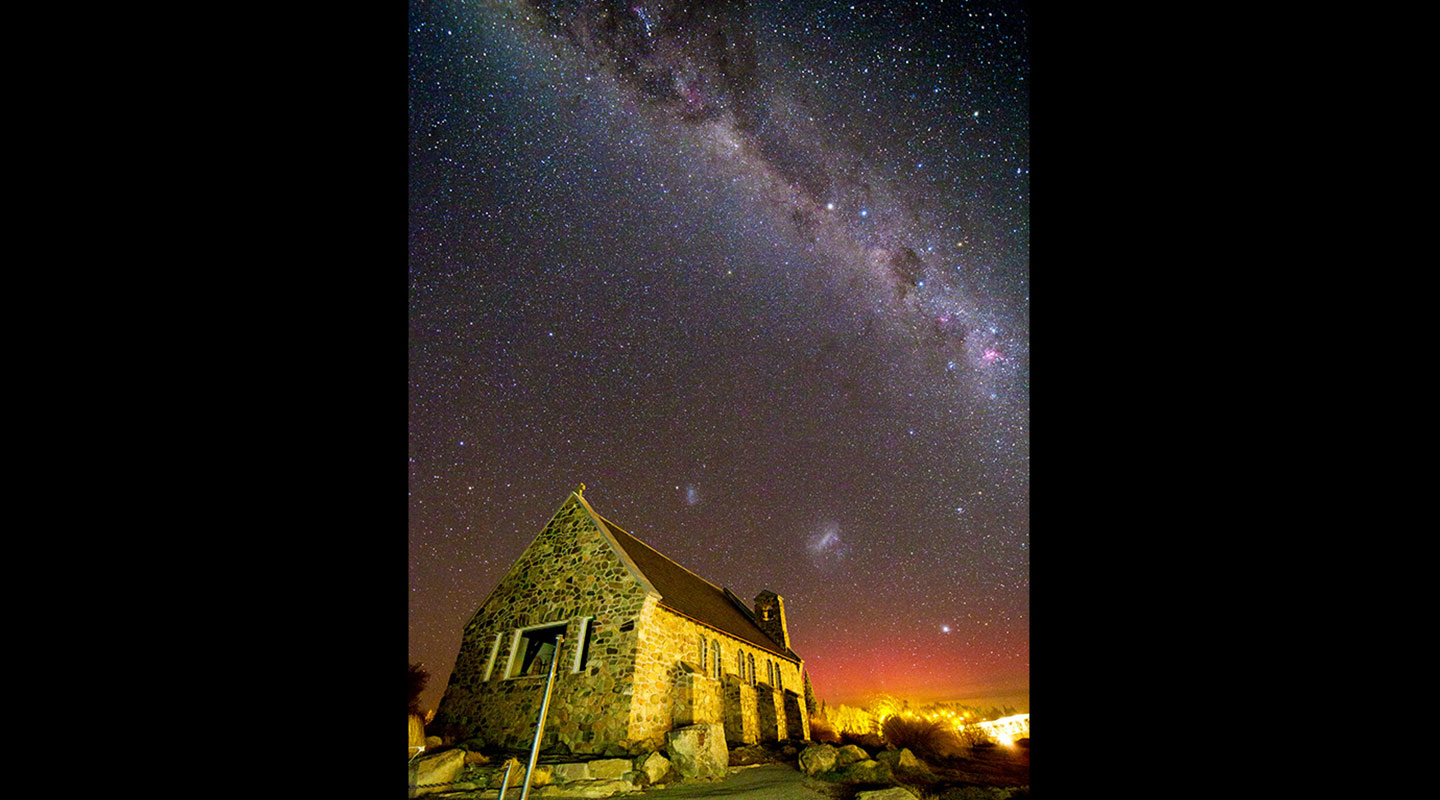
(757, 274)
(848, 180)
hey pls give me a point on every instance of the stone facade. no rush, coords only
(741, 723)
(644, 669)
(670, 657)
(797, 720)
(570, 573)
(770, 711)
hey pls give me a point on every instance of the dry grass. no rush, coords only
(928, 739)
(867, 741)
(823, 732)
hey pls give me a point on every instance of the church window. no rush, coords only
(533, 649)
(715, 646)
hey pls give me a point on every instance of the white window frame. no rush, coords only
(580, 643)
(494, 653)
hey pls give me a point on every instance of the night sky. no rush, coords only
(757, 274)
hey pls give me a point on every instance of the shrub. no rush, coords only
(418, 677)
(821, 731)
(972, 736)
(928, 739)
(869, 741)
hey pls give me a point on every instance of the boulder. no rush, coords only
(698, 751)
(585, 789)
(979, 793)
(903, 761)
(608, 769)
(569, 773)
(441, 768)
(869, 771)
(893, 793)
(656, 767)
(817, 758)
(850, 754)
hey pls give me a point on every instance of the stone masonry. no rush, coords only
(569, 573)
(741, 724)
(645, 672)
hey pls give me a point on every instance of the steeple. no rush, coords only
(770, 615)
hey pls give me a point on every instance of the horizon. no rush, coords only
(759, 277)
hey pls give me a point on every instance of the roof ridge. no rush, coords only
(740, 604)
(687, 593)
(652, 549)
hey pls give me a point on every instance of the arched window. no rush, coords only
(715, 646)
(703, 662)
(740, 665)
(752, 669)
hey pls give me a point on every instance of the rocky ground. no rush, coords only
(797, 770)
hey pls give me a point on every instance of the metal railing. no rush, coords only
(534, 748)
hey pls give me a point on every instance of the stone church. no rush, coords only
(647, 646)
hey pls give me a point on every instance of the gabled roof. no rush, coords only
(689, 594)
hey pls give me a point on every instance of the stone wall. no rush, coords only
(697, 698)
(569, 573)
(645, 674)
(667, 639)
(741, 726)
(770, 712)
(797, 722)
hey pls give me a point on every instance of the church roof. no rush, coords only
(691, 595)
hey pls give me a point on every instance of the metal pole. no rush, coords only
(540, 726)
(505, 783)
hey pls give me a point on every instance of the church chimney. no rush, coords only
(770, 612)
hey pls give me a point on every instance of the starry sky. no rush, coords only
(757, 274)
